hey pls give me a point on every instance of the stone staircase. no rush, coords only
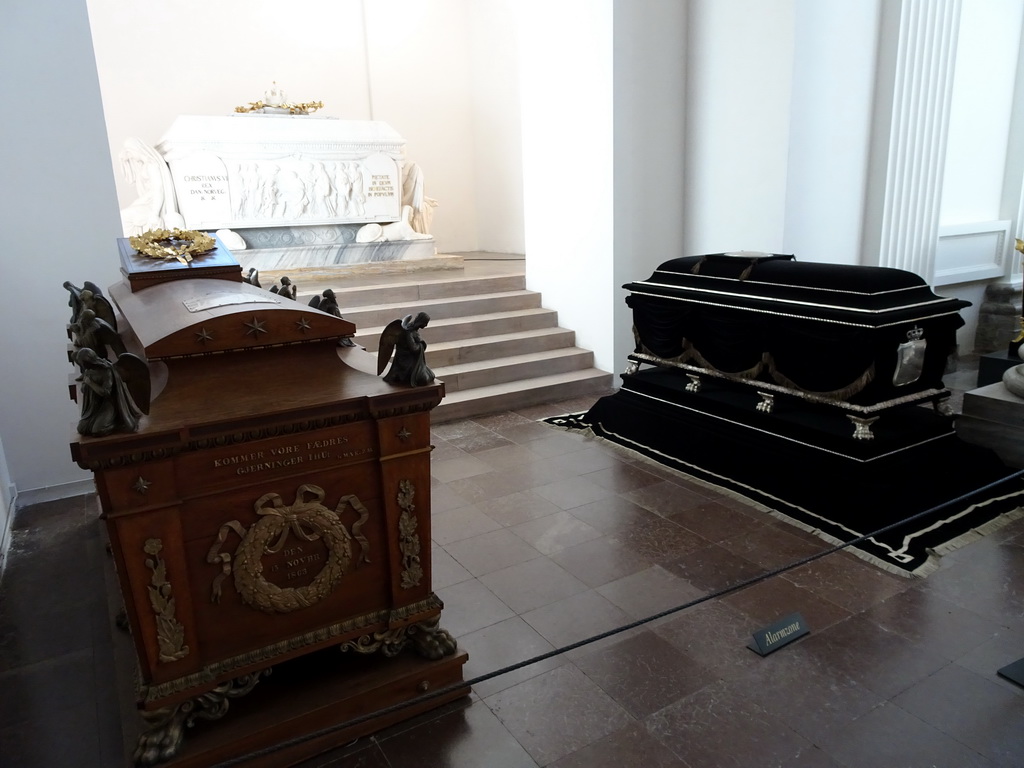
(489, 340)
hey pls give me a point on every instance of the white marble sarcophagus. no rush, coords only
(244, 170)
(339, 191)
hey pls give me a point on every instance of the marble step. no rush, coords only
(479, 350)
(379, 315)
(464, 376)
(489, 340)
(477, 401)
(495, 346)
(471, 326)
(413, 293)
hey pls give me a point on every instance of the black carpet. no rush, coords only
(930, 491)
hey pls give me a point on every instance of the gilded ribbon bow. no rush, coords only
(295, 515)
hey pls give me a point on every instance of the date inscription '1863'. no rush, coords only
(295, 565)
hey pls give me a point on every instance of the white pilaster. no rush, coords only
(922, 83)
(1013, 178)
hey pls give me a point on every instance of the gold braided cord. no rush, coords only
(691, 356)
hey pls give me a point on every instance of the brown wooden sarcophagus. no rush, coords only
(275, 501)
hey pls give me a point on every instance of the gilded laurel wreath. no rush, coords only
(304, 108)
(306, 519)
(180, 244)
(267, 596)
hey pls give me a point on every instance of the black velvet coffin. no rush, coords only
(848, 336)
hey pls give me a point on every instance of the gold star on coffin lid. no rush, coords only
(189, 318)
(143, 272)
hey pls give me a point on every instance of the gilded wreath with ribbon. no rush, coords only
(180, 244)
(308, 520)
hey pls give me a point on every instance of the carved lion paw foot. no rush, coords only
(160, 744)
(432, 642)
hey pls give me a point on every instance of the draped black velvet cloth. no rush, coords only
(835, 332)
(824, 329)
(801, 461)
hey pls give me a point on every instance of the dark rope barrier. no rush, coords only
(466, 684)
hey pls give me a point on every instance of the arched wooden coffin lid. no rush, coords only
(186, 318)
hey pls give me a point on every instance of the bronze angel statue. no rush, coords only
(288, 289)
(328, 302)
(90, 297)
(91, 332)
(114, 394)
(410, 364)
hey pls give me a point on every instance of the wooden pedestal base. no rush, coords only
(313, 693)
(298, 698)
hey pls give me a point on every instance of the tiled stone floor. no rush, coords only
(543, 538)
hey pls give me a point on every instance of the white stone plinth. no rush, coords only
(325, 256)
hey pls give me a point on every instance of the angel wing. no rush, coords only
(273, 289)
(73, 299)
(108, 334)
(330, 307)
(104, 309)
(388, 339)
(315, 301)
(99, 304)
(134, 372)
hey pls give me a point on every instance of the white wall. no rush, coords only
(1013, 174)
(979, 126)
(163, 58)
(420, 76)
(497, 126)
(982, 183)
(567, 164)
(7, 498)
(739, 70)
(406, 62)
(649, 86)
(834, 51)
(58, 212)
